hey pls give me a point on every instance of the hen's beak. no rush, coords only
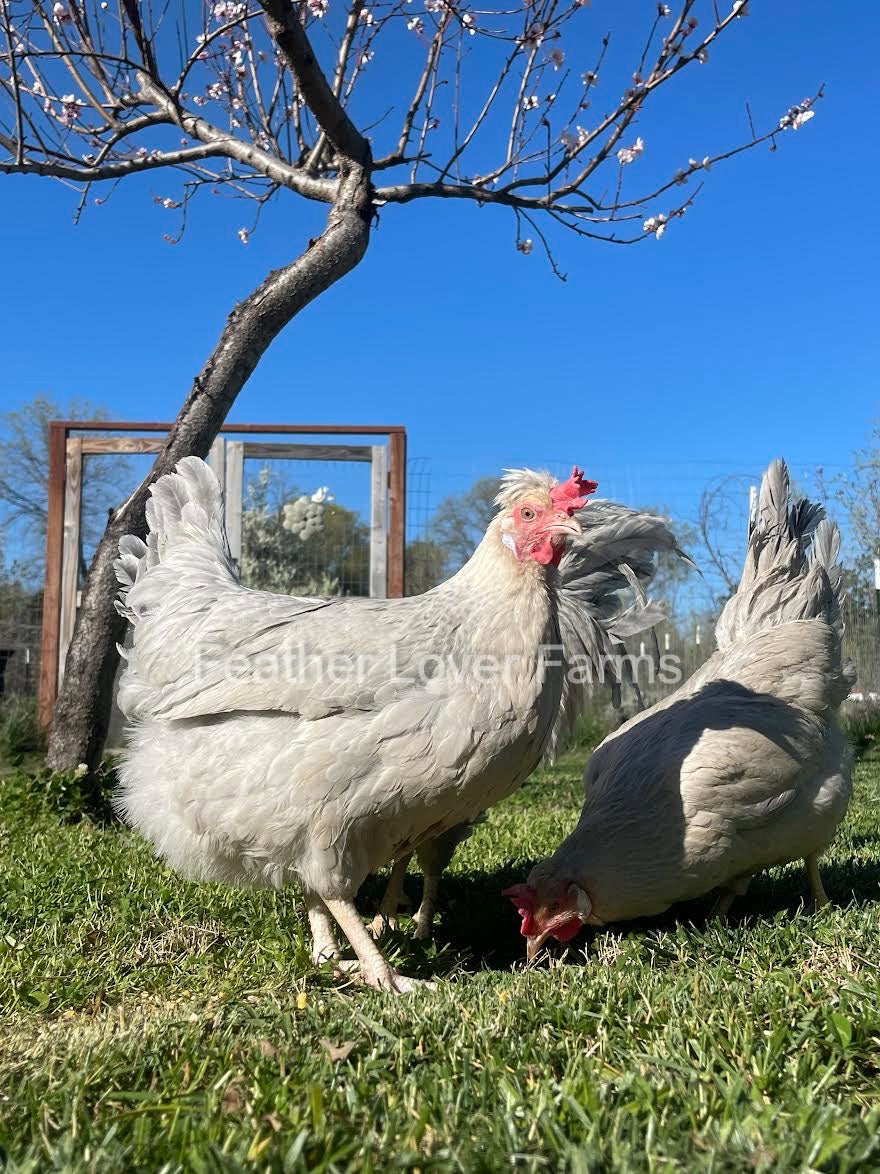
(563, 524)
(534, 944)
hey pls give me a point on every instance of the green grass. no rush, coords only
(150, 1024)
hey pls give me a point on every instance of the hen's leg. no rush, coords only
(733, 889)
(375, 971)
(386, 918)
(425, 913)
(324, 944)
(820, 897)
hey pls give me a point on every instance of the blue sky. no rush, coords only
(749, 331)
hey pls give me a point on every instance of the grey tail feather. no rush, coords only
(792, 568)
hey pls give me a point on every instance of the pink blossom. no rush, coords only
(226, 11)
(533, 36)
(573, 140)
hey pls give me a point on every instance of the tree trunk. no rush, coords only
(83, 708)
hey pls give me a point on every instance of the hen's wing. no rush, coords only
(204, 644)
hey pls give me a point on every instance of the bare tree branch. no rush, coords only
(287, 30)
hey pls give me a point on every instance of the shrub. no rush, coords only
(20, 732)
(861, 724)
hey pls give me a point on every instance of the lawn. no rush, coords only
(150, 1024)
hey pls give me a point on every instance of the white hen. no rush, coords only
(278, 739)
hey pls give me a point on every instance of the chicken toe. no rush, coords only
(374, 970)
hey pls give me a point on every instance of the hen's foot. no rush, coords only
(393, 982)
(374, 970)
(382, 922)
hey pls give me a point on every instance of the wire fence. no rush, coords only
(660, 667)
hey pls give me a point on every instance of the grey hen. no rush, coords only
(743, 768)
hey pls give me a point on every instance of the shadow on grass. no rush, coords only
(477, 929)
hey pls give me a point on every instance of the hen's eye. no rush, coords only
(527, 513)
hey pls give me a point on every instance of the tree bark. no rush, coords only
(83, 708)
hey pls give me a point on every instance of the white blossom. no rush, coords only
(741, 7)
(524, 246)
(590, 78)
(695, 164)
(557, 58)
(656, 224)
(797, 115)
(468, 21)
(244, 235)
(322, 494)
(366, 16)
(70, 109)
(703, 56)
(630, 154)
(531, 102)
(416, 25)
(664, 10)
(318, 8)
(169, 203)
(61, 13)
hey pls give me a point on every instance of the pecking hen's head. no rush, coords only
(551, 906)
(537, 512)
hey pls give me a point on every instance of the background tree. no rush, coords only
(858, 495)
(24, 482)
(460, 521)
(510, 106)
(425, 565)
(722, 528)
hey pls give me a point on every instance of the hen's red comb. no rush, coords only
(524, 899)
(572, 494)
